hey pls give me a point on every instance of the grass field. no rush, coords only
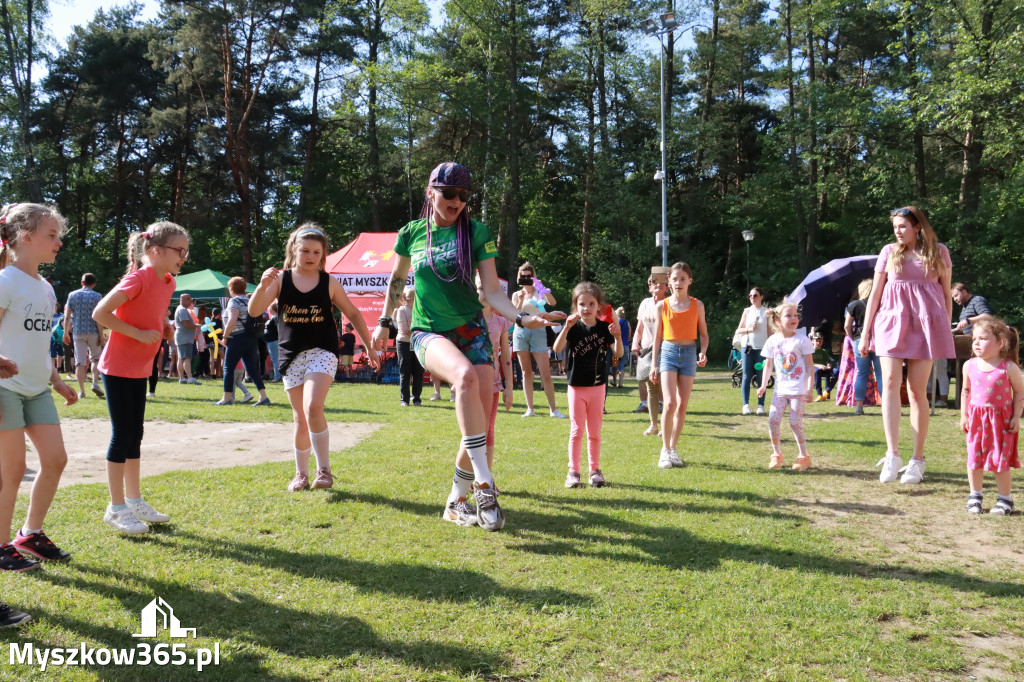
(721, 570)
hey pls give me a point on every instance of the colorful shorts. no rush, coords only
(471, 339)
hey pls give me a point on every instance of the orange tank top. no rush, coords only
(679, 326)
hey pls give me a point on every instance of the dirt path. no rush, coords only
(192, 445)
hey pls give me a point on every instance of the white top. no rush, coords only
(648, 314)
(28, 304)
(403, 321)
(758, 319)
(787, 355)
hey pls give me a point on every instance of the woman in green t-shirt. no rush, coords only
(444, 248)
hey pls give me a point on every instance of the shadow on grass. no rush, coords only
(417, 581)
(679, 549)
(249, 620)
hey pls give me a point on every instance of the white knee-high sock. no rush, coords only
(476, 446)
(462, 484)
(302, 461)
(321, 448)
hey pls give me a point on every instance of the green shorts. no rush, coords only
(18, 411)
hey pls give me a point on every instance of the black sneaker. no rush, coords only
(40, 546)
(11, 560)
(9, 618)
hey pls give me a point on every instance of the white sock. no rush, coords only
(321, 448)
(462, 484)
(26, 531)
(302, 461)
(476, 446)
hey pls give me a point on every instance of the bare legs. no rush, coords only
(676, 393)
(544, 368)
(917, 384)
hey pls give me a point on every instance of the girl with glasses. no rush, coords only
(908, 319)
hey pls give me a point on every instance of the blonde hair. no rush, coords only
(928, 243)
(864, 288)
(587, 288)
(158, 234)
(302, 233)
(774, 315)
(17, 220)
(1001, 331)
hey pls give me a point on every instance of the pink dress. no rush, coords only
(990, 445)
(912, 322)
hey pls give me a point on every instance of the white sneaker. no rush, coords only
(125, 522)
(529, 413)
(81, 395)
(746, 409)
(673, 457)
(143, 512)
(150, 394)
(760, 410)
(555, 414)
(890, 467)
(913, 472)
(665, 461)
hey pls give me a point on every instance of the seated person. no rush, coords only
(825, 368)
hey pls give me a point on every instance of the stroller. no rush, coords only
(735, 363)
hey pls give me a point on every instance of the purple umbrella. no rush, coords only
(825, 292)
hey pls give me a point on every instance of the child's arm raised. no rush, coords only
(702, 329)
(965, 395)
(340, 299)
(659, 334)
(104, 315)
(563, 335)
(268, 290)
(1017, 382)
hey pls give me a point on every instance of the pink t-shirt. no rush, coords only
(146, 308)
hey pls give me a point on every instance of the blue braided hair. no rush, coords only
(451, 174)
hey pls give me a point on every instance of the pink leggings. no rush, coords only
(493, 418)
(796, 420)
(586, 411)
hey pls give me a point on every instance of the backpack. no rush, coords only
(256, 325)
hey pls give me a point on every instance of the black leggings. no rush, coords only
(126, 402)
(242, 347)
(410, 369)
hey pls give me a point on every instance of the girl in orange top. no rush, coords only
(680, 318)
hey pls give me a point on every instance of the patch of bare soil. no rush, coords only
(192, 445)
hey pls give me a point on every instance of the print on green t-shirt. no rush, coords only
(441, 306)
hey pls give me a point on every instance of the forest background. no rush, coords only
(805, 121)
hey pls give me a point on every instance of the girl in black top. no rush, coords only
(308, 343)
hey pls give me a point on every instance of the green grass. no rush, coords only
(721, 570)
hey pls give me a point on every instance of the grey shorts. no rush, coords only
(186, 350)
(18, 411)
(87, 348)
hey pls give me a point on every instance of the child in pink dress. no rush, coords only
(908, 319)
(990, 405)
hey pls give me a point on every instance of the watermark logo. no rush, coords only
(157, 616)
(156, 611)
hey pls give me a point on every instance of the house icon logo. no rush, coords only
(156, 611)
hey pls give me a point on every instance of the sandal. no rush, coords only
(1003, 507)
(651, 431)
(974, 505)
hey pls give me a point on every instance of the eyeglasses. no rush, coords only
(182, 251)
(753, 295)
(450, 193)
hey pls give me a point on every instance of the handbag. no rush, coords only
(737, 340)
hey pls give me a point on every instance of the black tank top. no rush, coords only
(305, 320)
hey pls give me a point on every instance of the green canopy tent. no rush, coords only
(208, 285)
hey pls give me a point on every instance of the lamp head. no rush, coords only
(748, 235)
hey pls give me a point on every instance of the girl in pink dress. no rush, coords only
(908, 319)
(990, 405)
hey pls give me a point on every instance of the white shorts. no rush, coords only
(312, 361)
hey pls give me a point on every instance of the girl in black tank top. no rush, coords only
(306, 319)
(308, 344)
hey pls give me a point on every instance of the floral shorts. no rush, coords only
(471, 339)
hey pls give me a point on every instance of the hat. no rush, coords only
(816, 336)
(450, 174)
(659, 274)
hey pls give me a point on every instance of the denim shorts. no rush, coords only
(471, 339)
(532, 340)
(679, 359)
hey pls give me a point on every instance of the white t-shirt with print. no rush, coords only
(648, 314)
(29, 305)
(787, 356)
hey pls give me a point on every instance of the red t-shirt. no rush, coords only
(146, 308)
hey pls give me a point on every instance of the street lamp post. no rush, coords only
(651, 28)
(748, 236)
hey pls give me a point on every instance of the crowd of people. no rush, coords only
(456, 323)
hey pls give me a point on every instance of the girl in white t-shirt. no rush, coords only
(31, 234)
(791, 356)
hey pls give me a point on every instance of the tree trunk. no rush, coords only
(794, 159)
(807, 252)
(376, 221)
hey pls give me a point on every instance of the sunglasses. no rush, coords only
(753, 295)
(182, 251)
(450, 193)
(902, 212)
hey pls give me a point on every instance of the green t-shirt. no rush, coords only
(821, 357)
(441, 306)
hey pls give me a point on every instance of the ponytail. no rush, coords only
(158, 234)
